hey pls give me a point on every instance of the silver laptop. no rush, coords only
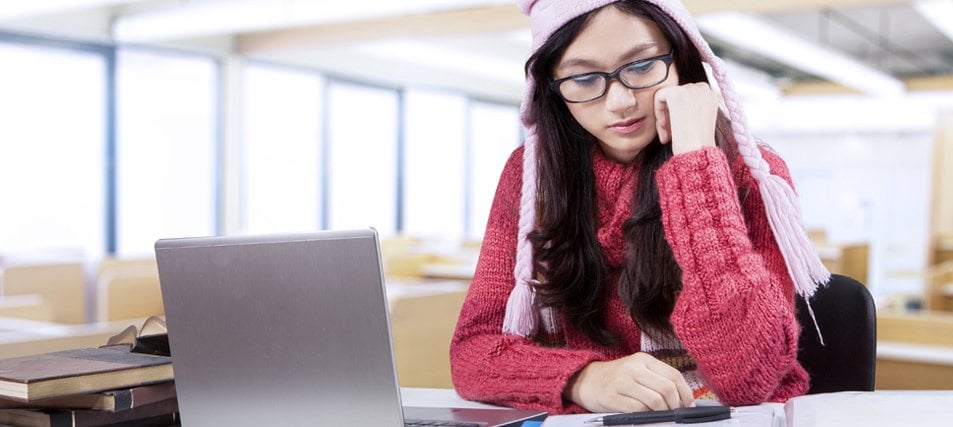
(288, 330)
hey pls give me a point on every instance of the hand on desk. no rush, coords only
(638, 382)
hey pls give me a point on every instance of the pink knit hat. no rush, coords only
(803, 264)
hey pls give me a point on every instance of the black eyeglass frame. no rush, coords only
(668, 59)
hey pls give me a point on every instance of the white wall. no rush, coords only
(863, 170)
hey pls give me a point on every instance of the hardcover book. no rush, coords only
(110, 400)
(64, 373)
(162, 413)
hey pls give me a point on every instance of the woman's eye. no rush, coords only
(639, 68)
(586, 80)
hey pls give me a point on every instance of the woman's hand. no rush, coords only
(685, 116)
(638, 382)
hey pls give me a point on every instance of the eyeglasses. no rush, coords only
(640, 74)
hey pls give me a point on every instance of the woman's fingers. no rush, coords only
(685, 395)
(635, 383)
(662, 122)
(666, 382)
(685, 116)
(656, 397)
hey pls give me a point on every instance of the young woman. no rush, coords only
(642, 251)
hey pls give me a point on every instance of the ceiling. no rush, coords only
(480, 45)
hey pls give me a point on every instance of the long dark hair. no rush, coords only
(568, 258)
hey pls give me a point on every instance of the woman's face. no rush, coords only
(623, 120)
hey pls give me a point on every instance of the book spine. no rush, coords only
(122, 400)
(64, 419)
(159, 413)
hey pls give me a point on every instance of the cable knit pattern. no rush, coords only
(614, 185)
(734, 316)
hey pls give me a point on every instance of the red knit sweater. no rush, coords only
(734, 315)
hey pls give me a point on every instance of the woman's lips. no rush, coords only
(628, 126)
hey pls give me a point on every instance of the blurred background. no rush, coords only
(126, 121)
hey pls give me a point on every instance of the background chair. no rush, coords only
(129, 292)
(62, 285)
(848, 321)
(422, 328)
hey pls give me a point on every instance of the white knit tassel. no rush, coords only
(521, 316)
(804, 266)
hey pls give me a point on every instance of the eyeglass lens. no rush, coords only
(637, 75)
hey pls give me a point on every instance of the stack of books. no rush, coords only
(128, 381)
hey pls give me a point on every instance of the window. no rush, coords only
(53, 109)
(434, 187)
(166, 148)
(494, 134)
(282, 150)
(362, 157)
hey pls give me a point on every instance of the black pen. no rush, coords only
(698, 414)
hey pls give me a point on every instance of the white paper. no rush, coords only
(872, 409)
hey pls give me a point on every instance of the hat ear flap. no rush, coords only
(521, 315)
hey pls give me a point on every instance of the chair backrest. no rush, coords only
(129, 293)
(847, 319)
(62, 284)
(422, 327)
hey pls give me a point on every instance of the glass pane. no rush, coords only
(362, 157)
(166, 148)
(494, 134)
(434, 164)
(52, 106)
(282, 150)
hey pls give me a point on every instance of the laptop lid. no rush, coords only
(279, 329)
(289, 329)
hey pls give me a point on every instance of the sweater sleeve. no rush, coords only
(735, 313)
(487, 365)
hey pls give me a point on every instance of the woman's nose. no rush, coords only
(618, 97)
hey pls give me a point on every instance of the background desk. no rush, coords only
(20, 337)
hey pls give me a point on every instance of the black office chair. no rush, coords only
(848, 321)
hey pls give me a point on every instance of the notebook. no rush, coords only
(288, 329)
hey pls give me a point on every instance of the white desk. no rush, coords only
(884, 408)
(397, 288)
(768, 415)
(915, 353)
(437, 398)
